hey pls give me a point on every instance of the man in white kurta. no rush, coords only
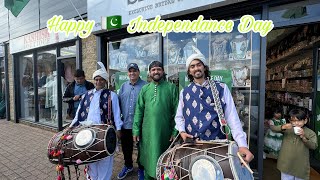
(101, 170)
(197, 113)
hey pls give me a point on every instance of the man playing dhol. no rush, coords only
(197, 113)
(94, 102)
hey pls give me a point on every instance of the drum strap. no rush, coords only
(109, 120)
(223, 123)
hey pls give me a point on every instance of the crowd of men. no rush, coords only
(153, 113)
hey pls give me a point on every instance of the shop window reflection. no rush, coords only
(230, 59)
(47, 87)
(68, 51)
(141, 50)
(178, 47)
(27, 87)
(67, 73)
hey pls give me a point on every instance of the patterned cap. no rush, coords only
(133, 65)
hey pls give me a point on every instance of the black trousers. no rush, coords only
(127, 148)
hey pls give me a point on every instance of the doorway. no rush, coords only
(290, 83)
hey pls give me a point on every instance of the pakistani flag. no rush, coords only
(111, 22)
(15, 6)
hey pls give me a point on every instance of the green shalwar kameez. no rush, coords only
(154, 122)
(294, 153)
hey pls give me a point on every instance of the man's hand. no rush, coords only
(67, 129)
(184, 136)
(118, 134)
(246, 154)
(136, 138)
(76, 98)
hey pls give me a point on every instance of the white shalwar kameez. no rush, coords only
(101, 170)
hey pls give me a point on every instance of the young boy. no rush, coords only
(293, 161)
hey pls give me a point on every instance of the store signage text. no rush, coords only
(247, 23)
(82, 28)
(133, 1)
(37, 39)
(151, 6)
(149, 9)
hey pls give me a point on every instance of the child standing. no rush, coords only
(273, 140)
(293, 161)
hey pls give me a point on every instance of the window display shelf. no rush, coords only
(291, 91)
(298, 50)
(280, 79)
(287, 103)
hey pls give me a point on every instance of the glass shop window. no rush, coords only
(27, 87)
(141, 50)
(47, 87)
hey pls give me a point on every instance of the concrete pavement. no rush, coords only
(23, 154)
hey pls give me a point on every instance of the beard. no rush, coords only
(156, 77)
(198, 75)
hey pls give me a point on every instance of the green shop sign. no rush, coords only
(122, 77)
(218, 75)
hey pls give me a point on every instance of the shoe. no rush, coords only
(140, 174)
(125, 170)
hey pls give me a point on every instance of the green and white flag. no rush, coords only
(111, 22)
(15, 6)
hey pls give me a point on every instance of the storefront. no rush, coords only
(43, 66)
(238, 59)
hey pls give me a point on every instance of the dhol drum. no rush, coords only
(82, 145)
(210, 161)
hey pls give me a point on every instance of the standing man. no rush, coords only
(73, 92)
(197, 112)
(128, 96)
(153, 122)
(94, 102)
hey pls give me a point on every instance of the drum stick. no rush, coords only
(243, 162)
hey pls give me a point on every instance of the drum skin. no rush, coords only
(182, 155)
(104, 145)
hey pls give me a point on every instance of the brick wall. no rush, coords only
(89, 56)
(11, 85)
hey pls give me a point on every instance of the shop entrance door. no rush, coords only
(66, 66)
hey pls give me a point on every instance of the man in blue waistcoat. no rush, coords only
(197, 114)
(93, 109)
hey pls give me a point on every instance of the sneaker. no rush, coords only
(125, 170)
(140, 174)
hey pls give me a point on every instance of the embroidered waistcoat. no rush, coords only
(85, 105)
(199, 111)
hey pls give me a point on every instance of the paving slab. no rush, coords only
(23, 154)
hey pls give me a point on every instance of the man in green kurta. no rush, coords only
(154, 123)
